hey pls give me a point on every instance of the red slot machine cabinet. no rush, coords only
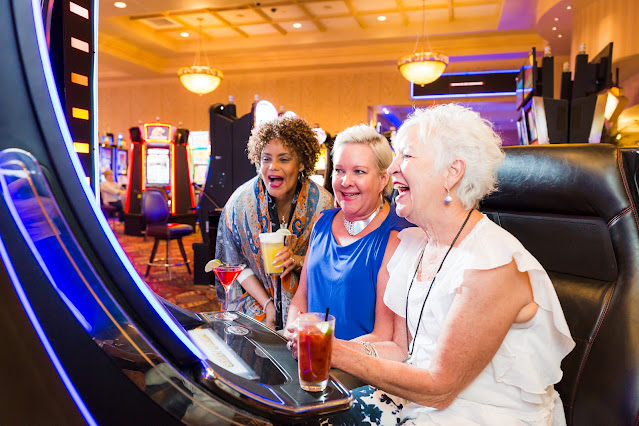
(159, 159)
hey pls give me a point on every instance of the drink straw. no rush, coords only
(326, 316)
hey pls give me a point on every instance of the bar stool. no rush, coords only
(155, 211)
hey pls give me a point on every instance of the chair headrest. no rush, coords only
(578, 179)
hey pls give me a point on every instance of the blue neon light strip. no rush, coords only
(481, 72)
(17, 285)
(68, 141)
(464, 95)
(94, 105)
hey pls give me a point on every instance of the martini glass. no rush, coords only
(227, 273)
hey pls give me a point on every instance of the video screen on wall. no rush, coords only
(158, 167)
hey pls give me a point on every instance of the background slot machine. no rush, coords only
(106, 153)
(159, 159)
(200, 151)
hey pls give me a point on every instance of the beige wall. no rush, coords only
(334, 99)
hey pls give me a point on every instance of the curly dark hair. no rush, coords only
(296, 135)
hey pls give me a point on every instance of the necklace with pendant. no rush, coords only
(354, 228)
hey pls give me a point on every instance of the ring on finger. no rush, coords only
(288, 345)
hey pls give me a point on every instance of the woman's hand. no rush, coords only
(270, 315)
(287, 260)
(291, 335)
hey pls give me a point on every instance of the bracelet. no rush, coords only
(270, 300)
(370, 349)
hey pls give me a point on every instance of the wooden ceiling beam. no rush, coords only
(268, 19)
(402, 11)
(355, 14)
(318, 24)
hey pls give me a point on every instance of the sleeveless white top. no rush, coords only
(516, 387)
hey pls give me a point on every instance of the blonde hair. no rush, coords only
(366, 135)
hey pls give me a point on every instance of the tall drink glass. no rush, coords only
(227, 273)
(271, 243)
(314, 350)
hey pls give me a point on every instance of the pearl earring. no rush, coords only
(448, 199)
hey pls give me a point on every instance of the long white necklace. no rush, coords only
(354, 228)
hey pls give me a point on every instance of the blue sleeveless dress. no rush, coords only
(344, 278)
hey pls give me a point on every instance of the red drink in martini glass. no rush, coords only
(227, 273)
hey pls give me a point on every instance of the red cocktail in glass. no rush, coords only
(227, 273)
(314, 350)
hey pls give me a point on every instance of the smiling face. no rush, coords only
(357, 184)
(412, 174)
(279, 169)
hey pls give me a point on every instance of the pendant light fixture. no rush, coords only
(422, 67)
(200, 79)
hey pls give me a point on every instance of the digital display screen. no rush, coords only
(157, 132)
(123, 157)
(199, 139)
(199, 173)
(158, 166)
(105, 159)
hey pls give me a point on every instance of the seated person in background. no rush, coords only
(479, 333)
(111, 192)
(284, 152)
(350, 247)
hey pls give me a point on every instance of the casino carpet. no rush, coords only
(180, 288)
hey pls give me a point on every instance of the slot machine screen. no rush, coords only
(123, 158)
(105, 159)
(158, 167)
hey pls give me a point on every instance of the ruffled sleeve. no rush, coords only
(401, 267)
(531, 354)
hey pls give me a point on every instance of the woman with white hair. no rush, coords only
(350, 246)
(479, 333)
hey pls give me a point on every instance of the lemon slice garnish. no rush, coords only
(324, 328)
(211, 264)
(283, 231)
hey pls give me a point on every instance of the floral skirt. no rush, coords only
(370, 407)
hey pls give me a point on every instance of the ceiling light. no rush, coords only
(554, 28)
(556, 19)
(119, 4)
(569, 7)
(559, 36)
(297, 25)
(422, 67)
(184, 34)
(198, 78)
(381, 18)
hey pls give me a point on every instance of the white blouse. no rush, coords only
(516, 387)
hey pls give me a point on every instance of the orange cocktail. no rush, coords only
(314, 350)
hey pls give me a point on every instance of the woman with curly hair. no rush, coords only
(284, 152)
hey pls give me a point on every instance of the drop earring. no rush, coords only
(448, 199)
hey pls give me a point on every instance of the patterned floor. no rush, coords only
(180, 288)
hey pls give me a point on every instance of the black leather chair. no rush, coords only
(574, 207)
(155, 211)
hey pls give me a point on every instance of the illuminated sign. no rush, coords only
(468, 84)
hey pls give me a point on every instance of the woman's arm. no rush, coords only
(299, 304)
(253, 286)
(485, 307)
(383, 328)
